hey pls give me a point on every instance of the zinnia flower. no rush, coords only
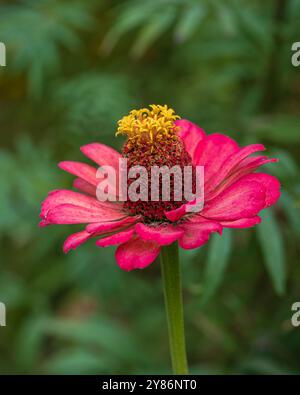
(233, 193)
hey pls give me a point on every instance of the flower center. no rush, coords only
(152, 141)
(148, 125)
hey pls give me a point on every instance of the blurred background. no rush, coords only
(73, 69)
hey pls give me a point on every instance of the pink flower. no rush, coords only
(234, 193)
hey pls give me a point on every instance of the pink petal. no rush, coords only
(248, 165)
(229, 165)
(197, 234)
(253, 162)
(75, 240)
(117, 238)
(212, 153)
(241, 223)
(245, 198)
(87, 173)
(162, 234)
(136, 254)
(190, 134)
(81, 170)
(71, 214)
(271, 185)
(102, 155)
(240, 200)
(84, 186)
(62, 196)
(177, 213)
(111, 225)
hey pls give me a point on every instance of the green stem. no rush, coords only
(174, 309)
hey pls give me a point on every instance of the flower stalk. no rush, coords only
(174, 308)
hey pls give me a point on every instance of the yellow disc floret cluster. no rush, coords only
(148, 125)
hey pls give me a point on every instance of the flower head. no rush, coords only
(233, 193)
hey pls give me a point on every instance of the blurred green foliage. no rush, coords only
(73, 69)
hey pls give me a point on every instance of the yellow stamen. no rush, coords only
(154, 124)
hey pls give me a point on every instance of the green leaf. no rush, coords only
(189, 22)
(29, 341)
(217, 260)
(131, 18)
(225, 17)
(78, 361)
(279, 128)
(292, 212)
(270, 238)
(96, 333)
(88, 105)
(287, 167)
(151, 32)
(44, 29)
